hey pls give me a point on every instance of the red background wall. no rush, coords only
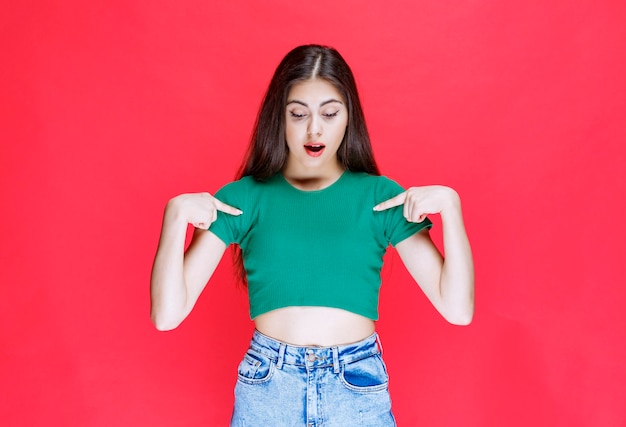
(108, 109)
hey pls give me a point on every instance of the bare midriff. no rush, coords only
(314, 326)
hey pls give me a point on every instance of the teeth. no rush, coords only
(314, 147)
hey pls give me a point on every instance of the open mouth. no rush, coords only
(314, 149)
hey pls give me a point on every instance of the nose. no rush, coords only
(315, 128)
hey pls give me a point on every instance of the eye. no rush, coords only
(297, 114)
(331, 114)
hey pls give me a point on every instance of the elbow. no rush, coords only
(461, 317)
(461, 320)
(164, 327)
(164, 323)
(166, 316)
(460, 310)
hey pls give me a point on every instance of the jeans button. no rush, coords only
(312, 357)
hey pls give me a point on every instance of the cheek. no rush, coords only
(291, 133)
(340, 131)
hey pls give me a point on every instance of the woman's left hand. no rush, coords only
(420, 202)
(449, 282)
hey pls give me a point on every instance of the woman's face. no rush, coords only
(316, 117)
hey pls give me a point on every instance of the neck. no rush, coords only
(313, 181)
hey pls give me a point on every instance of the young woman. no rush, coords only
(312, 218)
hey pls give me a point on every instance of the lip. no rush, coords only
(314, 149)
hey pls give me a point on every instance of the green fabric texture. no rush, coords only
(313, 248)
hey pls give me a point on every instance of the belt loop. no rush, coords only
(380, 345)
(281, 356)
(335, 360)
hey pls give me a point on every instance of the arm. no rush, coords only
(179, 276)
(448, 283)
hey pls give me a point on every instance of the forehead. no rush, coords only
(314, 92)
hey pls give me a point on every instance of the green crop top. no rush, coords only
(313, 248)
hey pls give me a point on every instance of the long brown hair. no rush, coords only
(267, 152)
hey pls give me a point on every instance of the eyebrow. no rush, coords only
(329, 101)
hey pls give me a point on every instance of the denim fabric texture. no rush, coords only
(281, 385)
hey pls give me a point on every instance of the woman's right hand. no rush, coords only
(178, 276)
(198, 209)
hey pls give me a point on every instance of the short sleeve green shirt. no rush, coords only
(313, 248)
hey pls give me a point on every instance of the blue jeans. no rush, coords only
(281, 385)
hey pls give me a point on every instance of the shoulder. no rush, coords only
(247, 190)
(241, 184)
(388, 183)
(369, 178)
(380, 185)
(236, 193)
(376, 185)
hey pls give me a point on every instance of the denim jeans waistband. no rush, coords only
(312, 356)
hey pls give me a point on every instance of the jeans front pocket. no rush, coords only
(365, 375)
(255, 368)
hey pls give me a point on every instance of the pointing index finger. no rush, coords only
(391, 203)
(223, 207)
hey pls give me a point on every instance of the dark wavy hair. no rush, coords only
(267, 152)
